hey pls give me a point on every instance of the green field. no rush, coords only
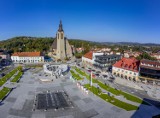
(9, 75)
(4, 92)
(113, 90)
(16, 78)
(111, 99)
(75, 76)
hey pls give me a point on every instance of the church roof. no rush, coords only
(54, 44)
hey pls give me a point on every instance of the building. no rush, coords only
(129, 54)
(27, 57)
(127, 68)
(149, 71)
(79, 50)
(105, 61)
(60, 49)
(156, 55)
(88, 58)
(5, 55)
(5, 58)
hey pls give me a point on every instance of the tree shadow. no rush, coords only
(1, 103)
(150, 110)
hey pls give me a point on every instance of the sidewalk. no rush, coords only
(128, 83)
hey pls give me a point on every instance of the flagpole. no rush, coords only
(91, 79)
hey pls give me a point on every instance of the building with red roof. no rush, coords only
(127, 68)
(27, 57)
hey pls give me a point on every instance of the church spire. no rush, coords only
(60, 27)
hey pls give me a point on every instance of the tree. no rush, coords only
(145, 55)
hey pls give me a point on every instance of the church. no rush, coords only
(60, 49)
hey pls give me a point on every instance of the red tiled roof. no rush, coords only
(89, 55)
(27, 54)
(131, 64)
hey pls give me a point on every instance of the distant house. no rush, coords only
(127, 68)
(128, 54)
(5, 55)
(79, 50)
(27, 57)
(156, 55)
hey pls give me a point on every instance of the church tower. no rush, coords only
(60, 48)
(60, 42)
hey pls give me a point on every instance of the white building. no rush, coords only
(88, 58)
(27, 57)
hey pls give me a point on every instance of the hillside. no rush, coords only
(25, 43)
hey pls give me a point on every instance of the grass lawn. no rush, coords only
(111, 99)
(9, 75)
(4, 92)
(113, 90)
(75, 76)
(16, 78)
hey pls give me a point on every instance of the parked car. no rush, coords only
(2, 74)
(105, 76)
(112, 78)
(89, 70)
(98, 71)
(98, 75)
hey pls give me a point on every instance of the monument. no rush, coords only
(60, 49)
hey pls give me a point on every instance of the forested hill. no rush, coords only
(24, 43)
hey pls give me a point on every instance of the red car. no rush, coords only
(89, 70)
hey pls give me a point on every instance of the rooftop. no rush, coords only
(89, 55)
(131, 64)
(27, 54)
(108, 56)
(150, 64)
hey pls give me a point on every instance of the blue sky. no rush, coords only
(95, 20)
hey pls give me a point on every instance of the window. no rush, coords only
(58, 35)
(61, 35)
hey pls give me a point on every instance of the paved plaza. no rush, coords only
(20, 102)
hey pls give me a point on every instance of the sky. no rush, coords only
(94, 20)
